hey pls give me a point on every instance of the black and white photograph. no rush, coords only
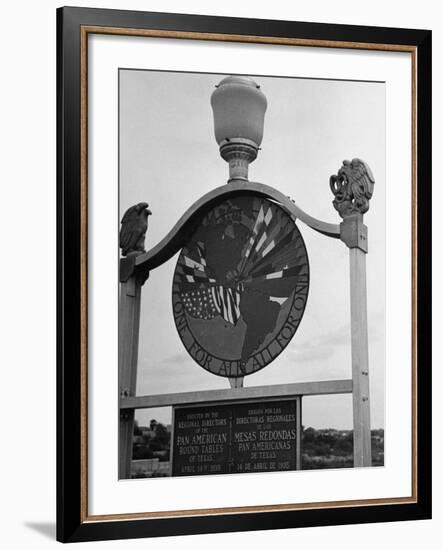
(219, 223)
(252, 262)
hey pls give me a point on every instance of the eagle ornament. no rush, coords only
(352, 187)
(134, 225)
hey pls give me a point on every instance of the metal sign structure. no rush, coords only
(218, 282)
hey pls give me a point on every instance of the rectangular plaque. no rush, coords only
(235, 438)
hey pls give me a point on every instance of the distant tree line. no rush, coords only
(151, 441)
(331, 448)
(326, 448)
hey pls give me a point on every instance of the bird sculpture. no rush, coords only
(352, 187)
(133, 229)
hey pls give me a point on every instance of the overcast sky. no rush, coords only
(169, 158)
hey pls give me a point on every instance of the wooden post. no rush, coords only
(353, 187)
(360, 359)
(171, 444)
(354, 234)
(298, 419)
(132, 243)
(129, 322)
(236, 382)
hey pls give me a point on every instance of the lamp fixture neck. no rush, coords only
(239, 153)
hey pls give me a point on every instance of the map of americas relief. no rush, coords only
(240, 286)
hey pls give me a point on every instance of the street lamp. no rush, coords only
(239, 108)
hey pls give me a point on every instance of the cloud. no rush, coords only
(174, 373)
(171, 366)
(322, 346)
(177, 358)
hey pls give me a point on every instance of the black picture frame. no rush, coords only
(72, 523)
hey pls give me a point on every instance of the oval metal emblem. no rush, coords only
(240, 286)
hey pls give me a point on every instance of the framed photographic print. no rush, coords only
(244, 274)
